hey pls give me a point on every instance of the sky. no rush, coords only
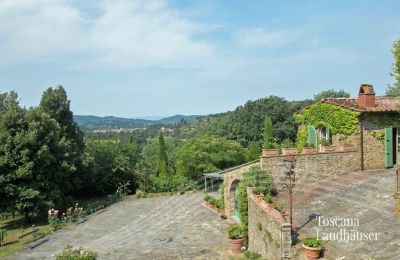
(140, 58)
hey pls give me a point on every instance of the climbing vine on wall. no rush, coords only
(336, 118)
(301, 138)
(378, 134)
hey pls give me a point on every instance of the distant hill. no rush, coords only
(88, 122)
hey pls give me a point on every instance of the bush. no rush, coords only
(172, 184)
(69, 253)
(251, 256)
(140, 194)
(262, 182)
(287, 143)
(268, 198)
(235, 231)
(312, 242)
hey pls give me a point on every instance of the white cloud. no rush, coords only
(260, 37)
(125, 34)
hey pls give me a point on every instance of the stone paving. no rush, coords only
(366, 196)
(171, 227)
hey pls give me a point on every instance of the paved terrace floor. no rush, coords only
(172, 227)
(363, 195)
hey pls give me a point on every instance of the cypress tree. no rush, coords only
(162, 168)
(268, 140)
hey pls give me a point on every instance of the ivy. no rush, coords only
(260, 180)
(336, 118)
(302, 138)
(378, 134)
(384, 120)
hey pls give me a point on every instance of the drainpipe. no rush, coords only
(362, 141)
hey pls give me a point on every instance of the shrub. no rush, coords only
(251, 255)
(55, 222)
(69, 253)
(254, 177)
(207, 198)
(172, 184)
(75, 213)
(235, 231)
(268, 198)
(312, 242)
(287, 143)
(140, 194)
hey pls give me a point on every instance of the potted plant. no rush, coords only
(287, 148)
(326, 146)
(308, 149)
(235, 234)
(312, 247)
(269, 148)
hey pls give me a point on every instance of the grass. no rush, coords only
(15, 228)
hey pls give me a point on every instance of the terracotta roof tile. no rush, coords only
(382, 104)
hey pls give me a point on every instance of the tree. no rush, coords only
(67, 168)
(207, 153)
(109, 164)
(394, 90)
(268, 139)
(162, 166)
(331, 93)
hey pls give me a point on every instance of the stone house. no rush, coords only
(370, 123)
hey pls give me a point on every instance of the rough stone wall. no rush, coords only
(311, 168)
(269, 234)
(231, 176)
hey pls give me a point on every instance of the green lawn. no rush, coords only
(15, 228)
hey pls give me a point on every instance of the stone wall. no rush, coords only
(232, 176)
(269, 233)
(311, 168)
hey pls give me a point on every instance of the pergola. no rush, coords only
(211, 176)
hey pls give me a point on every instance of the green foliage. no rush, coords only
(312, 242)
(70, 253)
(109, 163)
(207, 154)
(252, 152)
(176, 183)
(259, 180)
(378, 134)
(268, 139)
(251, 255)
(235, 231)
(324, 142)
(336, 118)
(394, 90)
(218, 203)
(3, 236)
(162, 167)
(301, 139)
(287, 143)
(268, 198)
(331, 93)
(40, 153)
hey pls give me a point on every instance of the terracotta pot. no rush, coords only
(236, 245)
(270, 152)
(346, 148)
(289, 151)
(309, 150)
(311, 252)
(328, 149)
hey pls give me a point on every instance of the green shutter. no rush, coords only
(312, 136)
(388, 147)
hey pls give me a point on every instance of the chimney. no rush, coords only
(366, 96)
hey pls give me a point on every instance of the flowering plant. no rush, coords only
(54, 221)
(75, 213)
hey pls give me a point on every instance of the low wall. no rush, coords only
(269, 233)
(232, 176)
(311, 168)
